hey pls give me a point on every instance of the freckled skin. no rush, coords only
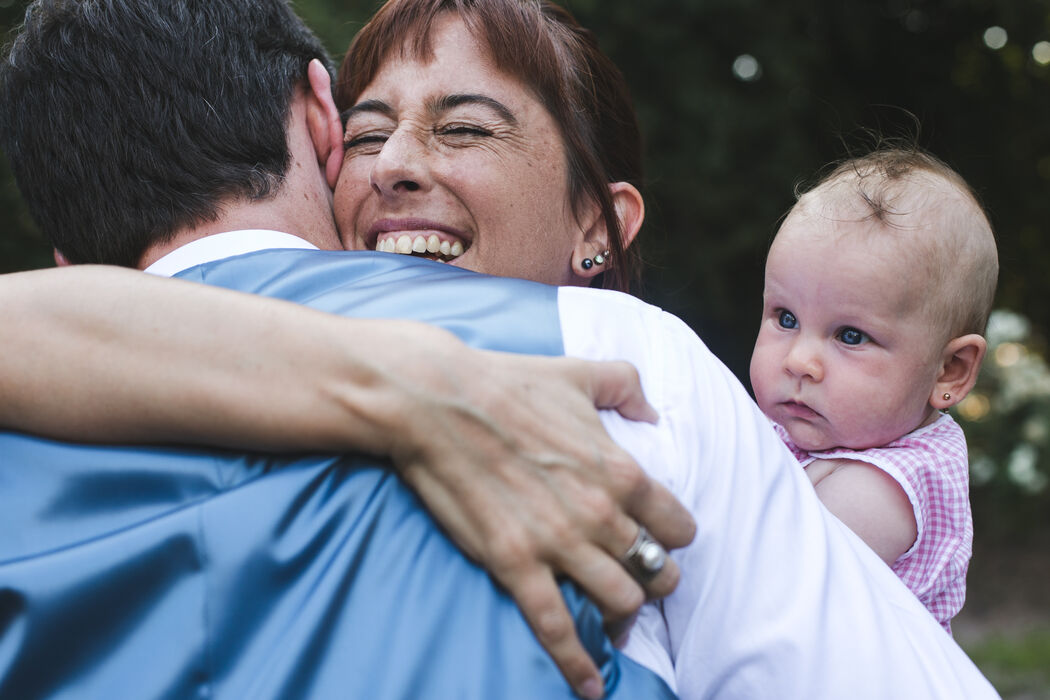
(492, 170)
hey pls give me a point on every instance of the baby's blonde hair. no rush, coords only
(910, 190)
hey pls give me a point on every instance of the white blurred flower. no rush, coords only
(1012, 398)
(1026, 380)
(982, 468)
(1006, 327)
(1022, 471)
(1035, 430)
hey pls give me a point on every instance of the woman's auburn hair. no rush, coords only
(544, 47)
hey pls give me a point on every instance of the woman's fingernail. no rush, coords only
(591, 689)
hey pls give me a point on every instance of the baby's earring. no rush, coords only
(947, 396)
(599, 259)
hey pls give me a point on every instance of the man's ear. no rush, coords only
(60, 260)
(326, 129)
(630, 210)
(960, 365)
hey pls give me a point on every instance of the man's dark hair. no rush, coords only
(127, 120)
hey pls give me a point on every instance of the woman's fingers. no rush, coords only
(526, 480)
(493, 533)
(666, 519)
(544, 608)
(615, 385)
(587, 533)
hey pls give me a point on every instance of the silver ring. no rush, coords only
(646, 557)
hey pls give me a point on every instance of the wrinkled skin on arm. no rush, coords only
(506, 451)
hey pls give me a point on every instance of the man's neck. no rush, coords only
(309, 224)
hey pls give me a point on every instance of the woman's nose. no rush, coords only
(804, 360)
(401, 166)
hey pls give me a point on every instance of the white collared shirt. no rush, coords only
(224, 245)
(777, 598)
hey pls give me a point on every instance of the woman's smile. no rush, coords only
(416, 237)
(452, 159)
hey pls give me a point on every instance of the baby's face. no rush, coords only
(845, 356)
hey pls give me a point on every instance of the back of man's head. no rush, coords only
(128, 120)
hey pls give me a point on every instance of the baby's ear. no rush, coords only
(960, 364)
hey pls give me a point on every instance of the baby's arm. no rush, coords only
(869, 501)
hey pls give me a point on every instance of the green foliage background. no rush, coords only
(724, 155)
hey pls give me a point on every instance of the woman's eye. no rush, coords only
(368, 139)
(851, 336)
(786, 319)
(462, 130)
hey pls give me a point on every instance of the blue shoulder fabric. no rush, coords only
(172, 573)
(496, 313)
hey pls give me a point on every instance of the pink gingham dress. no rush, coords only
(931, 465)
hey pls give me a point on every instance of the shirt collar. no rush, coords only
(224, 245)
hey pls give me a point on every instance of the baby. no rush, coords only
(878, 286)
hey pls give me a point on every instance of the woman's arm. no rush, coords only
(495, 444)
(103, 354)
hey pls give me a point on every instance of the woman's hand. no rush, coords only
(517, 467)
(507, 451)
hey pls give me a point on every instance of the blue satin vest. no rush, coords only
(174, 573)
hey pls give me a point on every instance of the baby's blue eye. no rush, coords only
(851, 336)
(787, 319)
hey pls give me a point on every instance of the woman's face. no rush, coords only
(455, 160)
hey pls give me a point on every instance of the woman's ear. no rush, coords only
(960, 364)
(60, 259)
(591, 255)
(630, 210)
(326, 128)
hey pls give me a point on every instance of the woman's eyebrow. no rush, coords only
(449, 102)
(368, 106)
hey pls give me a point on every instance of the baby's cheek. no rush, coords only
(758, 371)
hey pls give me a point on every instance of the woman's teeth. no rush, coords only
(420, 245)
